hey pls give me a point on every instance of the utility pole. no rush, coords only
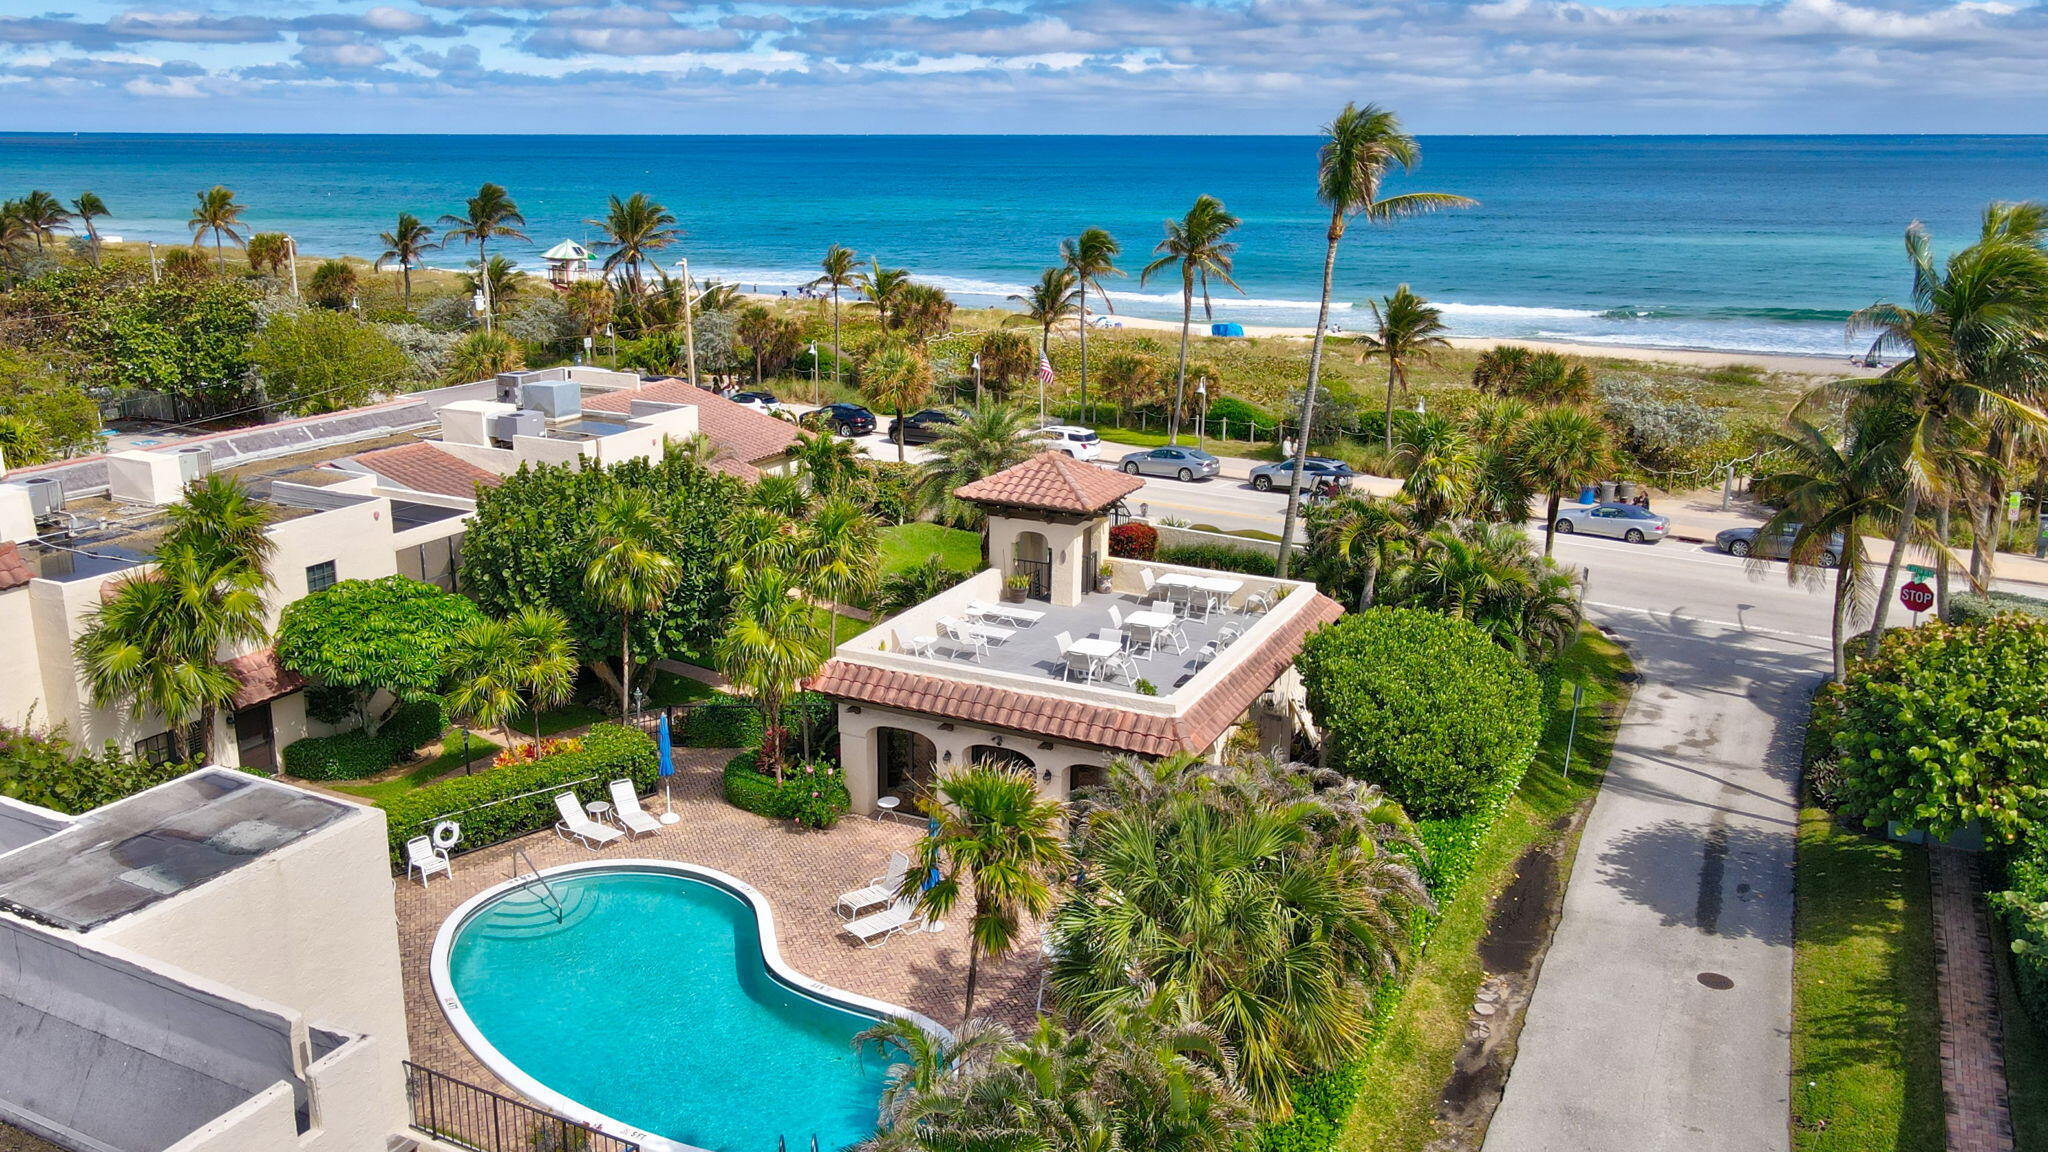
(153, 277)
(689, 322)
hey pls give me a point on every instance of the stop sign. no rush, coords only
(1917, 597)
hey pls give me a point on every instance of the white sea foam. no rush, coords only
(1453, 309)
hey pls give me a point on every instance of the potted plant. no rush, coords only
(1016, 587)
(1103, 576)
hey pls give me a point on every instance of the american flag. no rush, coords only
(1044, 369)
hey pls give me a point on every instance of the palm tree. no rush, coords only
(45, 215)
(920, 312)
(1490, 575)
(880, 285)
(500, 281)
(980, 442)
(1973, 329)
(16, 237)
(1359, 148)
(895, 377)
(772, 642)
(1053, 300)
(89, 207)
(1826, 488)
(1366, 532)
(407, 244)
(546, 666)
(219, 214)
(488, 215)
(333, 284)
(839, 267)
(1090, 256)
(1405, 327)
(486, 660)
(635, 229)
(482, 355)
(1005, 359)
(924, 1061)
(996, 835)
(1560, 446)
(633, 570)
(155, 643)
(1197, 244)
(839, 553)
(828, 464)
(1439, 465)
(268, 252)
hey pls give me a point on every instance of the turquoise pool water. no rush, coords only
(651, 1004)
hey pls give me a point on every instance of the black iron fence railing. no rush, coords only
(460, 1113)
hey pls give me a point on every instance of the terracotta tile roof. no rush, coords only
(14, 567)
(425, 468)
(1078, 722)
(1053, 481)
(736, 430)
(262, 677)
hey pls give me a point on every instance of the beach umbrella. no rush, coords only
(931, 878)
(668, 769)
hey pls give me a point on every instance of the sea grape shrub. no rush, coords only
(1426, 706)
(1661, 434)
(2024, 908)
(1220, 558)
(1134, 541)
(1946, 725)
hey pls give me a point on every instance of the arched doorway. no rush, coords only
(1002, 757)
(905, 763)
(1033, 559)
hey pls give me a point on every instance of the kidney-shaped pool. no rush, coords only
(656, 1003)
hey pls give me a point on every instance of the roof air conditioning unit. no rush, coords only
(520, 422)
(194, 464)
(558, 399)
(45, 497)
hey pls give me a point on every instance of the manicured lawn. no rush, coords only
(1406, 1073)
(561, 719)
(907, 545)
(670, 688)
(427, 771)
(1866, 1069)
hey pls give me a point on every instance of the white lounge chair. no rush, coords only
(574, 825)
(876, 927)
(422, 857)
(626, 806)
(878, 890)
(982, 609)
(961, 638)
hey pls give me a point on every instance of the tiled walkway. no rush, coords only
(801, 873)
(1972, 1037)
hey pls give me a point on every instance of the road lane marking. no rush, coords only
(1679, 615)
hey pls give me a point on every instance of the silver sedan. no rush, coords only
(1621, 521)
(1180, 463)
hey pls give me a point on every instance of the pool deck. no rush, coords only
(801, 873)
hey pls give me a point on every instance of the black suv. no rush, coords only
(845, 419)
(921, 427)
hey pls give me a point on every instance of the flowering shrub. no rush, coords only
(1134, 541)
(528, 753)
(812, 793)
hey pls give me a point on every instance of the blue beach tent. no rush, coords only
(1226, 329)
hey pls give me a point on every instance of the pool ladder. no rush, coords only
(531, 877)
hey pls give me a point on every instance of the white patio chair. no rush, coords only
(626, 806)
(576, 825)
(422, 857)
(875, 928)
(1145, 575)
(922, 646)
(959, 638)
(1120, 665)
(1227, 635)
(1256, 604)
(878, 890)
(1207, 654)
(1116, 616)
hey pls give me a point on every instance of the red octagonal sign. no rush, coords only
(1917, 597)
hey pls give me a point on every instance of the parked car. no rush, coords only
(1621, 521)
(1315, 470)
(1774, 546)
(762, 402)
(1080, 443)
(845, 419)
(921, 427)
(1179, 463)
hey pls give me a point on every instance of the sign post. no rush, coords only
(1917, 597)
(1572, 737)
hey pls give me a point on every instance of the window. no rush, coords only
(158, 749)
(320, 577)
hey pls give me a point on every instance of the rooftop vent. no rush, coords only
(558, 399)
(520, 422)
(194, 463)
(45, 497)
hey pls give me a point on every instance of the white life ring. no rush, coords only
(446, 833)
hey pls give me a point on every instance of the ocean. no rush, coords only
(1758, 244)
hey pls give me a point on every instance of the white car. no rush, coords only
(1080, 443)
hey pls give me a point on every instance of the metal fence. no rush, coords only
(460, 1113)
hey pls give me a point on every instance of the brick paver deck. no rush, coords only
(801, 873)
(1972, 1038)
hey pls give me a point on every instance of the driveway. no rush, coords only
(1662, 1017)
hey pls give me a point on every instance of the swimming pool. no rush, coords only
(658, 1008)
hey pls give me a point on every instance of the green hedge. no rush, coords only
(608, 753)
(735, 721)
(2024, 908)
(812, 794)
(1221, 557)
(355, 754)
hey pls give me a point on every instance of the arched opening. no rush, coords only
(905, 763)
(1003, 757)
(1086, 776)
(1032, 559)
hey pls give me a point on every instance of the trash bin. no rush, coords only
(1588, 494)
(1607, 491)
(1626, 491)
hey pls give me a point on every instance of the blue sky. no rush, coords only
(1281, 66)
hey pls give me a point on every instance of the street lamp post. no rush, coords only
(814, 371)
(1202, 406)
(152, 262)
(977, 379)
